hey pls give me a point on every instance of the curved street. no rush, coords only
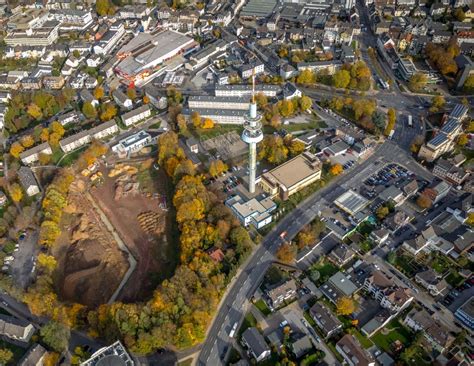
(233, 308)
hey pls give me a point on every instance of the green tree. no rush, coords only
(16, 193)
(306, 77)
(196, 119)
(55, 335)
(305, 103)
(217, 167)
(5, 356)
(16, 149)
(391, 119)
(423, 201)
(341, 79)
(462, 139)
(417, 81)
(459, 14)
(469, 84)
(345, 306)
(132, 93)
(382, 212)
(103, 7)
(89, 110)
(437, 103)
(286, 253)
(392, 257)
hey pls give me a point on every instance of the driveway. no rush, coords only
(294, 314)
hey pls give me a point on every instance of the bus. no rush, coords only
(410, 121)
(390, 136)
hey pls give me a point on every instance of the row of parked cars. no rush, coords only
(230, 183)
(454, 293)
(348, 164)
(386, 174)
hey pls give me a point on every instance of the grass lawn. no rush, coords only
(332, 347)
(249, 321)
(205, 134)
(397, 332)
(454, 279)
(312, 124)
(404, 264)
(309, 319)
(325, 269)
(71, 157)
(262, 306)
(17, 351)
(363, 340)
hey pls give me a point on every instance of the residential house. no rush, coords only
(34, 357)
(326, 321)
(122, 99)
(15, 329)
(384, 290)
(53, 82)
(352, 352)
(300, 344)
(87, 97)
(70, 117)
(339, 285)
(432, 281)
(28, 181)
(82, 138)
(465, 313)
(341, 255)
(392, 194)
(380, 236)
(437, 191)
(136, 115)
(31, 156)
(434, 332)
(280, 293)
(255, 344)
(448, 171)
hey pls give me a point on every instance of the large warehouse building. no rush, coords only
(292, 176)
(150, 54)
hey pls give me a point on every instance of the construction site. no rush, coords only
(117, 241)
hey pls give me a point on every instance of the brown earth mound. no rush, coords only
(93, 265)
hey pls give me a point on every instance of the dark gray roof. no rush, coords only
(26, 177)
(255, 341)
(33, 356)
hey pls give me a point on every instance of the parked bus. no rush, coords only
(410, 121)
(390, 136)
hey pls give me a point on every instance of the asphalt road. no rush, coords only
(233, 308)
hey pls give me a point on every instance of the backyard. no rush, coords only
(394, 331)
(262, 306)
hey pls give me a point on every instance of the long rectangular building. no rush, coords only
(223, 116)
(149, 54)
(82, 138)
(46, 35)
(244, 90)
(211, 102)
(292, 176)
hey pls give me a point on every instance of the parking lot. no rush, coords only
(23, 263)
(389, 174)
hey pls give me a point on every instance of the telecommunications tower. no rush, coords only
(252, 135)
